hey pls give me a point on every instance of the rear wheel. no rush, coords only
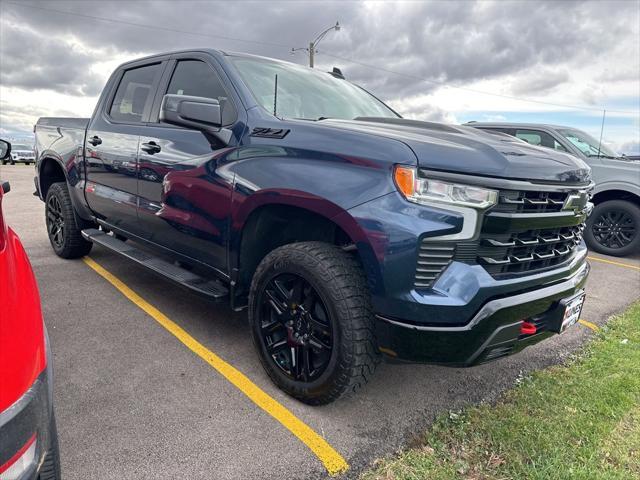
(63, 225)
(312, 323)
(613, 228)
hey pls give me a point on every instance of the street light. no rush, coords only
(314, 44)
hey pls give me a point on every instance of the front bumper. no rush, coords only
(493, 332)
(31, 414)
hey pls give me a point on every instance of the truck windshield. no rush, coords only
(305, 93)
(587, 144)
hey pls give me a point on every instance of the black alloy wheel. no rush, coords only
(55, 222)
(614, 228)
(64, 226)
(295, 327)
(312, 321)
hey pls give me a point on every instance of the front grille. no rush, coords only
(523, 201)
(527, 251)
(526, 232)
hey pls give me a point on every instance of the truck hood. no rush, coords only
(472, 151)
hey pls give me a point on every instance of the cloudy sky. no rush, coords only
(451, 61)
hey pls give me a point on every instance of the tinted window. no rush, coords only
(197, 79)
(133, 93)
(539, 138)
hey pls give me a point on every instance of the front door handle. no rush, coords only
(150, 147)
(95, 140)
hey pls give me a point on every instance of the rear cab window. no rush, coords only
(540, 139)
(134, 94)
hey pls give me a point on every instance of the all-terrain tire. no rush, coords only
(632, 219)
(72, 244)
(340, 283)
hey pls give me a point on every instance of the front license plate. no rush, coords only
(572, 310)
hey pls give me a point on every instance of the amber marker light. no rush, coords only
(405, 178)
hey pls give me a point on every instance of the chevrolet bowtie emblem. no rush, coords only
(576, 201)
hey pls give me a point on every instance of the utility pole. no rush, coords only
(314, 44)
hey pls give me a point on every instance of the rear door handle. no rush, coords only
(95, 140)
(150, 147)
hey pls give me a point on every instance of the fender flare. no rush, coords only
(314, 204)
(76, 185)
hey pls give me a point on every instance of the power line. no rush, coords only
(152, 27)
(345, 59)
(443, 84)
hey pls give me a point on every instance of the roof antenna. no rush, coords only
(604, 112)
(275, 97)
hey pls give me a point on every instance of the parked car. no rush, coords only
(28, 438)
(345, 229)
(20, 153)
(614, 226)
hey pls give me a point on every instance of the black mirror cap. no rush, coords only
(5, 149)
(199, 113)
(6, 188)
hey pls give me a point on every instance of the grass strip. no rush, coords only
(580, 420)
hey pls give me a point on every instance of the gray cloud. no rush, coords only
(34, 61)
(540, 81)
(453, 42)
(430, 43)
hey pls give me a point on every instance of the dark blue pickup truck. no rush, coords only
(348, 231)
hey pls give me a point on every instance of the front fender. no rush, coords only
(245, 207)
(629, 187)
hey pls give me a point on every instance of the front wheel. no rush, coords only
(63, 225)
(312, 322)
(613, 228)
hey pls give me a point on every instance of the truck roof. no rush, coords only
(473, 123)
(212, 51)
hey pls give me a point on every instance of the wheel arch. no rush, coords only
(270, 224)
(50, 171)
(616, 194)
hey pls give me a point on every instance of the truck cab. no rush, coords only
(348, 233)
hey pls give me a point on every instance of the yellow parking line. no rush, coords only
(331, 459)
(590, 325)
(627, 265)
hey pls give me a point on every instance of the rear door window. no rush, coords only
(134, 94)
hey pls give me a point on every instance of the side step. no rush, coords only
(212, 289)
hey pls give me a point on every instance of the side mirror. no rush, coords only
(199, 113)
(196, 112)
(5, 149)
(5, 187)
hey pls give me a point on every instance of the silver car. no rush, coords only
(21, 153)
(614, 226)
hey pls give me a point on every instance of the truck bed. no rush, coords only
(63, 122)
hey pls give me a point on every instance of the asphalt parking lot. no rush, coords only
(133, 401)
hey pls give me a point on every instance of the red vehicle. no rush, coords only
(28, 438)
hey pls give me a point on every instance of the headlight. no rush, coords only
(428, 191)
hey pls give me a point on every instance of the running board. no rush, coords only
(212, 289)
